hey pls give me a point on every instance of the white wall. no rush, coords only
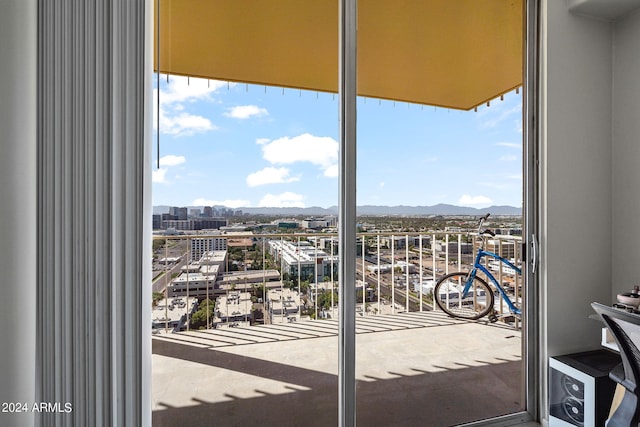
(17, 206)
(590, 173)
(576, 173)
(626, 155)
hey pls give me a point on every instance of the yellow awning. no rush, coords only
(449, 53)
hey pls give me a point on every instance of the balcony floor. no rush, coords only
(411, 369)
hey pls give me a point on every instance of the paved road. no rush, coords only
(159, 284)
(385, 290)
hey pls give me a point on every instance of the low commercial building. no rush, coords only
(232, 308)
(193, 284)
(386, 268)
(193, 223)
(283, 305)
(382, 268)
(171, 314)
(502, 247)
(318, 223)
(452, 247)
(169, 260)
(313, 263)
(401, 241)
(245, 280)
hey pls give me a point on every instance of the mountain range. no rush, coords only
(372, 210)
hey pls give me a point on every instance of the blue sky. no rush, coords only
(243, 145)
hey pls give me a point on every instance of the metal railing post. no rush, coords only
(406, 290)
(421, 271)
(393, 276)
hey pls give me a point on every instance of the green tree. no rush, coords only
(304, 287)
(258, 290)
(158, 244)
(324, 299)
(156, 297)
(199, 318)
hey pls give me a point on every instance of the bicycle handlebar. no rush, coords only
(487, 231)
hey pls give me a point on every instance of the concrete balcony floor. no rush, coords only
(412, 369)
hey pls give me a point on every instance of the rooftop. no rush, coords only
(171, 310)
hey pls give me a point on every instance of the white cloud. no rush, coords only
(262, 141)
(246, 111)
(480, 201)
(174, 120)
(227, 203)
(184, 124)
(331, 171)
(158, 175)
(492, 116)
(187, 89)
(510, 145)
(270, 176)
(284, 200)
(381, 184)
(318, 150)
(171, 160)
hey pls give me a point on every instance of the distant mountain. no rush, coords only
(440, 209)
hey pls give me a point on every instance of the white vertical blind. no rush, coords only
(93, 332)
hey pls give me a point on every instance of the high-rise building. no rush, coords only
(183, 213)
(169, 217)
(157, 221)
(201, 245)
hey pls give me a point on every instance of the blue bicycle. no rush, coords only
(466, 295)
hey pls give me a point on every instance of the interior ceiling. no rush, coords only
(455, 54)
(605, 9)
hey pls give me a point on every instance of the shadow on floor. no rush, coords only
(443, 398)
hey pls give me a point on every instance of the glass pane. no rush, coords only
(245, 303)
(425, 177)
(245, 313)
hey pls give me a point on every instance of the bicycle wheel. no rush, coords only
(477, 303)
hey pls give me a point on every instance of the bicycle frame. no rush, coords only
(477, 265)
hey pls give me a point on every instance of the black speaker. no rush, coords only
(580, 391)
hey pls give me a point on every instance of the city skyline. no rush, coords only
(246, 146)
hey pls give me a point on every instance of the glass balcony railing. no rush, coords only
(245, 330)
(253, 279)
